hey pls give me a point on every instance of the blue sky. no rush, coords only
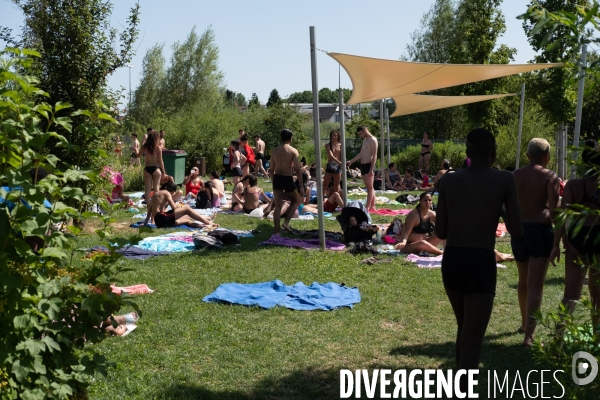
(264, 44)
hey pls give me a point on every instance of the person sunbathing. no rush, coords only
(178, 215)
(417, 232)
(253, 194)
(393, 180)
(125, 324)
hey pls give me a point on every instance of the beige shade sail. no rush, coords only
(375, 79)
(416, 103)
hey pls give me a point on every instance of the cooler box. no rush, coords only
(174, 161)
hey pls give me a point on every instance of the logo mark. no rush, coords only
(581, 368)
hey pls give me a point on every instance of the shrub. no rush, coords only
(455, 153)
(51, 303)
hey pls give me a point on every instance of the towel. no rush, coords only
(388, 212)
(318, 296)
(432, 262)
(135, 289)
(501, 230)
(308, 244)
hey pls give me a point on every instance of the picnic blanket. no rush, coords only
(132, 253)
(134, 289)
(318, 296)
(432, 262)
(388, 212)
(141, 223)
(307, 244)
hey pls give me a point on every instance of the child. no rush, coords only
(409, 182)
(117, 192)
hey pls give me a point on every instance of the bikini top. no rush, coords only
(394, 177)
(425, 145)
(424, 227)
(255, 193)
(587, 199)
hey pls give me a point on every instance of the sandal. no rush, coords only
(131, 318)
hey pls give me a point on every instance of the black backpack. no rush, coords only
(224, 236)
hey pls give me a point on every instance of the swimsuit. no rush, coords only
(365, 168)
(236, 171)
(469, 270)
(165, 219)
(150, 170)
(537, 241)
(191, 188)
(394, 178)
(285, 183)
(248, 210)
(329, 207)
(333, 168)
(427, 147)
(260, 156)
(424, 227)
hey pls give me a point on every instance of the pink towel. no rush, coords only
(135, 289)
(388, 212)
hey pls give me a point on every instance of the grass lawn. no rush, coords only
(186, 349)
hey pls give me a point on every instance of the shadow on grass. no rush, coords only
(557, 281)
(316, 384)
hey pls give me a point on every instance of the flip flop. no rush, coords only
(131, 318)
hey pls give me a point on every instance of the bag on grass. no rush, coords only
(206, 242)
(224, 236)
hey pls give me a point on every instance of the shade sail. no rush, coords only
(416, 103)
(375, 79)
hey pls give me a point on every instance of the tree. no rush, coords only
(551, 86)
(77, 45)
(193, 75)
(434, 41)
(274, 99)
(146, 96)
(236, 99)
(326, 95)
(254, 101)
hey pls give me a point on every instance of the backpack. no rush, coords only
(202, 200)
(224, 236)
(206, 242)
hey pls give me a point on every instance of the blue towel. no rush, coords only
(318, 296)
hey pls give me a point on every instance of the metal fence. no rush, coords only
(395, 144)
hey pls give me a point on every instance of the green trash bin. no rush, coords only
(174, 161)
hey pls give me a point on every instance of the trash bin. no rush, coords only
(201, 165)
(174, 161)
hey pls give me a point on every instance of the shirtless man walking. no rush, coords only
(283, 158)
(368, 157)
(469, 207)
(259, 151)
(538, 191)
(177, 216)
(135, 151)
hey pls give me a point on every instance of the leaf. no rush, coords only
(20, 371)
(107, 117)
(52, 160)
(51, 344)
(65, 122)
(61, 106)
(22, 321)
(34, 347)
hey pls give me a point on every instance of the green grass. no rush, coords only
(187, 349)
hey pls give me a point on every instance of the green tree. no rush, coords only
(236, 99)
(301, 97)
(254, 102)
(78, 47)
(326, 95)
(193, 74)
(274, 99)
(433, 42)
(552, 87)
(147, 95)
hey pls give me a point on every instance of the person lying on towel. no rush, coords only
(177, 216)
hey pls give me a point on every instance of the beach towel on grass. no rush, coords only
(307, 244)
(141, 223)
(388, 212)
(432, 262)
(133, 289)
(318, 296)
(134, 253)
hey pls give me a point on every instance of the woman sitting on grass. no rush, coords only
(253, 194)
(417, 232)
(409, 182)
(393, 180)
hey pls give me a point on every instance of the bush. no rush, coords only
(455, 153)
(535, 125)
(51, 303)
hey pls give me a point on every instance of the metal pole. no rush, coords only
(520, 126)
(382, 143)
(129, 89)
(343, 148)
(579, 107)
(565, 135)
(315, 90)
(387, 128)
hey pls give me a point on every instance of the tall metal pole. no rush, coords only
(315, 90)
(343, 147)
(579, 107)
(387, 128)
(520, 126)
(129, 105)
(382, 141)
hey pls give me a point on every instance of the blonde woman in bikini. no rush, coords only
(426, 149)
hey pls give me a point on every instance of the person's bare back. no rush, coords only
(159, 202)
(473, 199)
(538, 189)
(283, 157)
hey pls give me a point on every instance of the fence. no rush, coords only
(395, 143)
